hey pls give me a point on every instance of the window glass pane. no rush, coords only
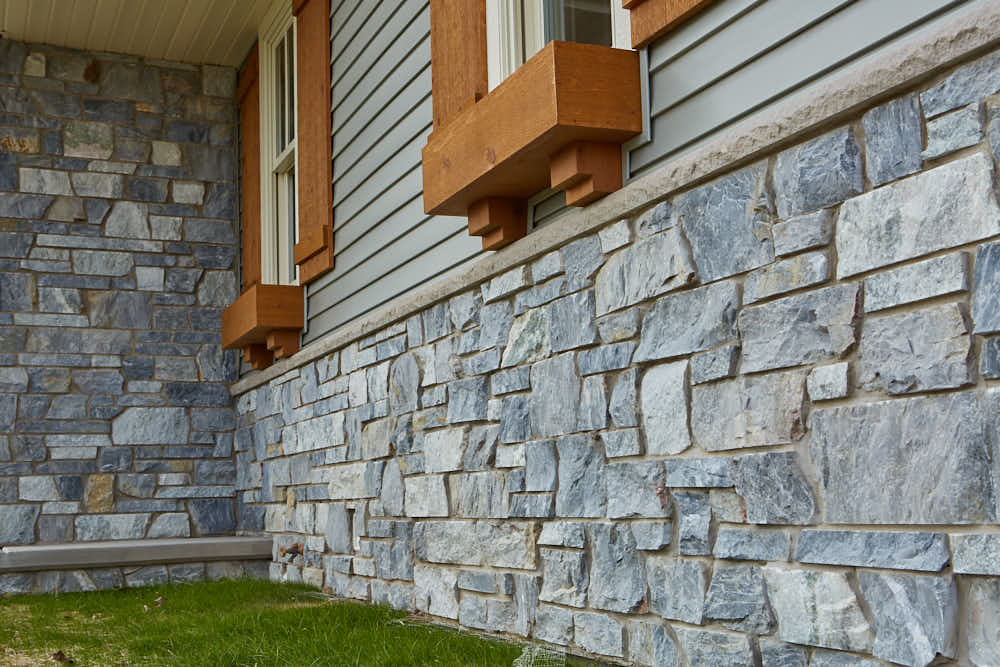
(585, 21)
(290, 42)
(279, 94)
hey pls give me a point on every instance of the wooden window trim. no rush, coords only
(652, 19)
(570, 106)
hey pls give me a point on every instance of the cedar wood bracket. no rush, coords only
(265, 322)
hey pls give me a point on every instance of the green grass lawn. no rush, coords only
(227, 623)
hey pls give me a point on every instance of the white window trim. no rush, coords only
(515, 31)
(278, 233)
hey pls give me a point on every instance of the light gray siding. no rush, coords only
(742, 55)
(382, 114)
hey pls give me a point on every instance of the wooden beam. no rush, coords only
(249, 99)
(258, 356)
(587, 171)
(283, 342)
(499, 221)
(459, 76)
(314, 177)
(260, 310)
(651, 19)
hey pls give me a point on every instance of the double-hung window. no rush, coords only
(279, 144)
(518, 29)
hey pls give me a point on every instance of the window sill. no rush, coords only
(265, 322)
(558, 121)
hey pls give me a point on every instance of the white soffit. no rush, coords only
(218, 32)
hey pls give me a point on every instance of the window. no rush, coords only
(518, 29)
(279, 147)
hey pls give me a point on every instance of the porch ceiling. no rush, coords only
(218, 32)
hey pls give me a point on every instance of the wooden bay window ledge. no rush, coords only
(265, 322)
(558, 121)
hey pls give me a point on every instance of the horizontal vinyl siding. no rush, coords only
(743, 55)
(382, 113)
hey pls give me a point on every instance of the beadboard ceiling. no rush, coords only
(218, 32)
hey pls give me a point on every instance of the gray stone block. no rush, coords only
(104, 527)
(635, 489)
(581, 259)
(150, 426)
(930, 278)
(624, 404)
(481, 448)
(582, 490)
(787, 275)
(818, 173)
(916, 351)
(562, 534)
(707, 647)
(659, 264)
(981, 621)
(18, 526)
(617, 575)
(774, 653)
(694, 521)
(593, 404)
(774, 488)
(737, 598)
(664, 401)
(554, 408)
(500, 286)
(902, 221)
(828, 382)
(651, 535)
(435, 591)
(621, 443)
(838, 623)
(677, 587)
(690, 321)
(605, 358)
(699, 473)
(515, 425)
(714, 364)
(915, 616)
(915, 461)
(495, 543)
(509, 381)
(553, 624)
(467, 400)
(739, 543)
(571, 321)
(599, 633)
(976, 554)
(969, 83)
(727, 223)
(620, 326)
(954, 131)
(565, 577)
(529, 339)
(174, 524)
(986, 291)
(479, 495)
(893, 139)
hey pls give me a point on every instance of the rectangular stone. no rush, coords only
(741, 543)
(479, 543)
(927, 552)
(915, 282)
(786, 276)
(903, 220)
(505, 284)
(916, 461)
(355, 480)
(691, 321)
(976, 554)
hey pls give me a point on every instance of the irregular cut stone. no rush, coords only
(664, 408)
(620, 326)
(481, 450)
(624, 405)
(915, 616)
(564, 577)
(914, 461)
(562, 534)
(677, 587)
(599, 634)
(774, 488)
(605, 358)
(786, 276)
(555, 396)
(540, 466)
(425, 496)
(88, 140)
(915, 282)
(969, 83)
(617, 575)
(435, 591)
(700, 473)
(529, 339)
(817, 608)
(651, 267)
(727, 223)
(825, 658)
(104, 527)
(694, 520)
(707, 647)
(957, 130)
(404, 385)
(976, 554)
(150, 426)
(799, 329)
(737, 598)
(174, 524)
(741, 543)
(635, 489)
(981, 621)
(715, 364)
(828, 382)
(899, 551)
(493, 543)
(774, 653)
(467, 400)
(818, 173)
(443, 450)
(129, 220)
(902, 220)
(893, 139)
(18, 525)
(916, 351)
(355, 480)
(651, 535)
(986, 294)
(593, 404)
(503, 285)
(553, 624)
(515, 425)
(479, 495)
(582, 490)
(571, 321)
(989, 359)
(651, 644)
(690, 321)
(621, 443)
(749, 411)
(581, 259)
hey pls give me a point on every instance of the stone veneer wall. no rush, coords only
(757, 424)
(116, 259)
